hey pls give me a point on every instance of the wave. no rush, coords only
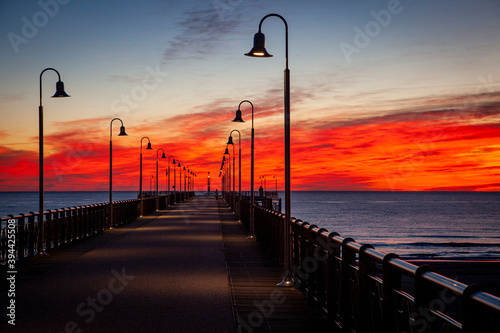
(450, 244)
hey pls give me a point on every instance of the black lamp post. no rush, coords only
(41, 217)
(238, 118)
(180, 179)
(169, 176)
(228, 172)
(122, 133)
(259, 50)
(162, 156)
(140, 183)
(230, 142)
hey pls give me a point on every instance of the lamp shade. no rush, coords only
(230, 141)
(60, 90)
(238, 118)
(122, 131)
(163, 155)
(259, 46)
(179, 164)
(149, 146)
(226, 151)
(173, 162)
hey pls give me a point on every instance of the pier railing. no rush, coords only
(360, 289)
(67, 225)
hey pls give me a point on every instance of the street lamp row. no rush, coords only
(259, 50)
(60, 92)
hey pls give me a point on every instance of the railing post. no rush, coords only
(311, 273)
(91, 218)
(366, 268)
(333, 281)
(32, 236)
(86, 222)
(475, 316)
(21, 237)
(423, 297)
(346, 297)
(320, 257)
(56, 227)
(78, 212)
(48, 230)
(391, 280)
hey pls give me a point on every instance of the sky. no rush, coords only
(385, 95)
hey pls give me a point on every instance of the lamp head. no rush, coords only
(173, 162)
(226, 151)
(122, 131)
(149, 146)
(60, 90)
(259, 46)
(230, 141)
(238, 118)
(179, 164)
(163, 155)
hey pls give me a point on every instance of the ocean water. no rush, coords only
(423, 225)
(415, 225)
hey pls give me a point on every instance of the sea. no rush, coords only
(414, 225)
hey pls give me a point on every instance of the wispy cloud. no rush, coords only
(204, 28)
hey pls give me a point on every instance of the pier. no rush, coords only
(188, 267)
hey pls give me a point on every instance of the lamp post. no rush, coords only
(208, 183)
(173, 162)
(259, 50)
(122, 133)
(263, 183)
(194, 188)
(230, 142)
(238, 118)
(157, 197)
(186, 188)
(223, 164)
(140, 183)
(228, 171)
(182, 167)
(41, 218)
(180, 180)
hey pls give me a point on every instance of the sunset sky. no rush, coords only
(385, 95)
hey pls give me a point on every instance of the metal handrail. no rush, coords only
(347, 273)
(66, 225)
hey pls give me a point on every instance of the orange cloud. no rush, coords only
(446, 144)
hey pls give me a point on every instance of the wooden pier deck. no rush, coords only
(259, 305)
(188, 268)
